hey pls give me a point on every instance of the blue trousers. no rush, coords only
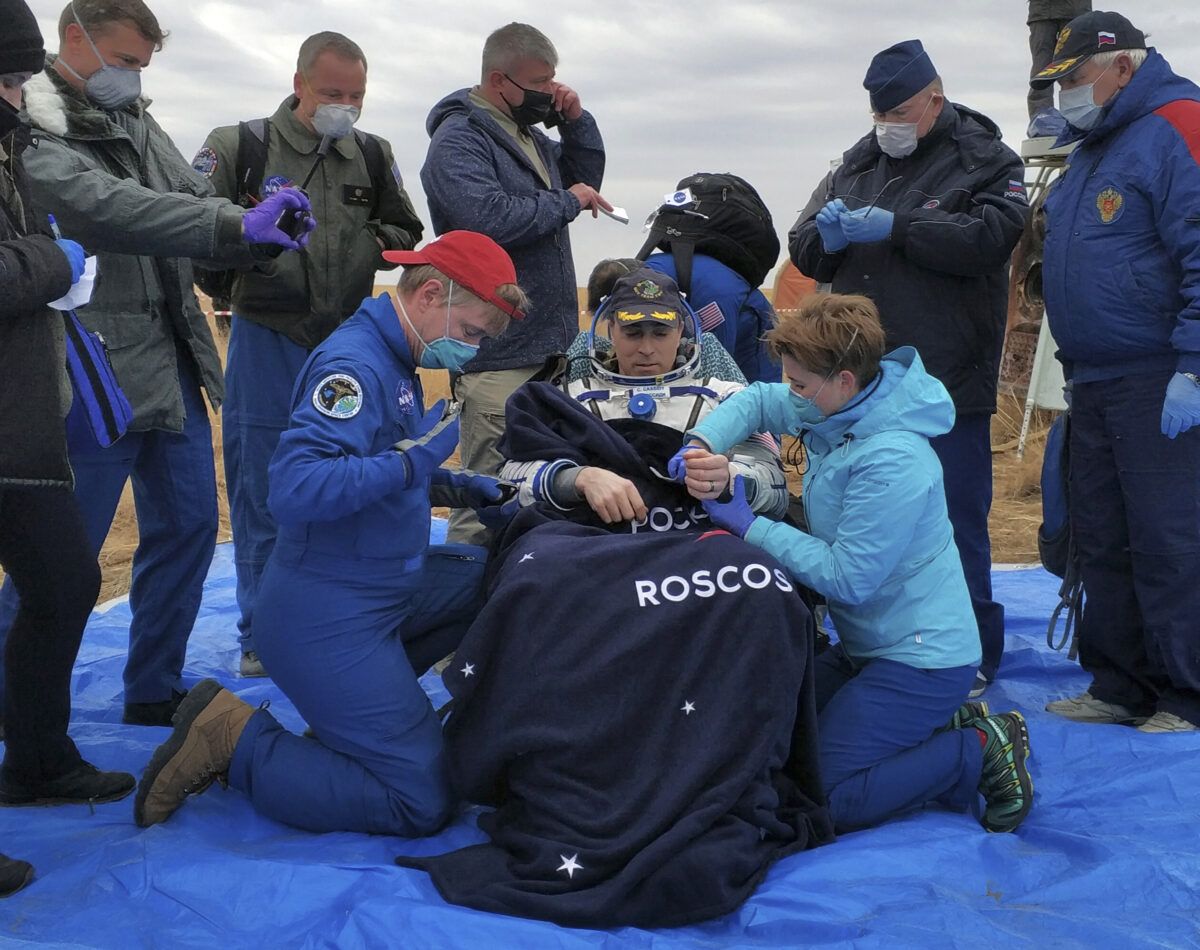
(1135, 511)
(966, 456)
(175, 495)
(345, 642)
(260, 372)
(879, 755)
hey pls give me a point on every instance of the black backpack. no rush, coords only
(253, 137)
(725, 219)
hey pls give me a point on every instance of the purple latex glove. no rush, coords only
(733, 515)
(1181, 408)
(259, 224)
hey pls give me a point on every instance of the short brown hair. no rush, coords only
(341, 46)
(831, 332)
(97, 16)
(604, 275)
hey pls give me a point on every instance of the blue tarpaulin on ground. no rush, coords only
(1107, 858)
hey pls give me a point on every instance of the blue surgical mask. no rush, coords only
(111, 88)
(1078, 105)
(445, 352)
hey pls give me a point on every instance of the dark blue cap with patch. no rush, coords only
(898, 73)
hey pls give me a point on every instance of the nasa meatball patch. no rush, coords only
(338, 396)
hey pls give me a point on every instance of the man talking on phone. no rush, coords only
(490, 170)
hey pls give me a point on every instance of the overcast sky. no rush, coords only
(769, 90)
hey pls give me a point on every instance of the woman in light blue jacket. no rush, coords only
(895, 732)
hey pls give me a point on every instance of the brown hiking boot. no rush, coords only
(207, 727)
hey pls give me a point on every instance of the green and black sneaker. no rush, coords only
(1005, 782)
(967, 713)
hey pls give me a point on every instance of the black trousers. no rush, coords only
(45, 551)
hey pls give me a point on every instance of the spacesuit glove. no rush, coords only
(829, 226)
(734, 515)
(866, 225)
(259, 223)
(1181, 408)
(431, 444)
(75, 257)
(474, 490)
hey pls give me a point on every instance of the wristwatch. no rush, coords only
(1193, 377)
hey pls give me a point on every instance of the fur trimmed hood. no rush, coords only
(57, 108)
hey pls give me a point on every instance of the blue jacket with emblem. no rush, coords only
(745, 314)
(881, 549)
(336, 485)
(476, 178)
(1121, 262)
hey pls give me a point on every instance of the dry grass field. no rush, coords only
(1016, 511)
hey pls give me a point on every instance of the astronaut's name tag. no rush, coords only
(362, 195)
(654, 392)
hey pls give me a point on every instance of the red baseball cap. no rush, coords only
(473, 260)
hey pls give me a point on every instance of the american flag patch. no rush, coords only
(1107, 39)
(710, 316)
(765, 438)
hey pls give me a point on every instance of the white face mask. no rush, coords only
(1078, 105)
(899, 139)
(334, 119)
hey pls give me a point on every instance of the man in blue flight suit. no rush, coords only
(354, 602)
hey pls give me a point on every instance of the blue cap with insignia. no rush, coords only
(645, 294)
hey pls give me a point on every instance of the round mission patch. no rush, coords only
(205, 162)
(338, 396)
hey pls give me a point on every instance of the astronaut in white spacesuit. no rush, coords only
(651, 373)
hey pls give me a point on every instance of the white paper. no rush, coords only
(81, 291)
(617, 214)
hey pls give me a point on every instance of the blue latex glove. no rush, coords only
(430, 446)
(475, 489)
(829, 226)
(259, 223)
(734, 515)
(677, 466)
(75, 257)
(1181, 408)
(866, 225)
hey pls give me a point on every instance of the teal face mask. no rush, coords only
(445, 352)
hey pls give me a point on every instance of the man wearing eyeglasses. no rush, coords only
(921, 216)
(490, 170)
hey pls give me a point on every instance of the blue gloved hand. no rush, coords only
(430, 445)
(474, 489)
(75, 257)
(829, 226)
(496, 517)
(260, 223)
(734, 515)
(677, 466)
(866, 225)
(1181, 408)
